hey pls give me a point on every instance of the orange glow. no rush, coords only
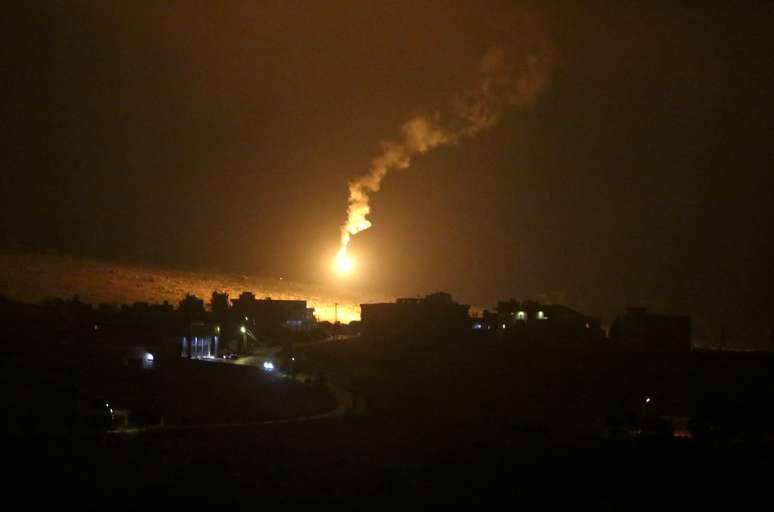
(34, 277)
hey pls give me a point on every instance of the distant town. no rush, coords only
(131, 373)
(227, 327)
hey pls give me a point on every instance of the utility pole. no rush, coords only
(335, 321)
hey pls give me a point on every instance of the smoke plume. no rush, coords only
(504, 81)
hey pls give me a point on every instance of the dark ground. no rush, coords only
(467, 424)
(370, 462)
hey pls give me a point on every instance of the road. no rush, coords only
(345, 402)
(344, 399)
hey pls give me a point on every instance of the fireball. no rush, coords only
(343, 264)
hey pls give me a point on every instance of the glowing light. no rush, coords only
(343, 263)
(242, 329)
(647, 400)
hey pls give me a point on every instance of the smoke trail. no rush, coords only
(501, 84)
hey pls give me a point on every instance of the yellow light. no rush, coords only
(343, 264)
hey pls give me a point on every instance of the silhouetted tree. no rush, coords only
(219, 303)
(191, 305)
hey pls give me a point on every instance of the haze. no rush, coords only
(222, 137)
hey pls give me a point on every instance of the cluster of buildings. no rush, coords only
(146, 333)
(268, 315)
(100, 360)
(232, 325)
(243, 320)
(528, 323)
(433, 315)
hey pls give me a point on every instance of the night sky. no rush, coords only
(222, 136)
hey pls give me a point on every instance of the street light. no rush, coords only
(243, 330)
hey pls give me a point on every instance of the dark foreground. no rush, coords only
(467, 425)
(370, 462)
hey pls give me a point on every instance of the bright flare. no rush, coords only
(343, 264)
